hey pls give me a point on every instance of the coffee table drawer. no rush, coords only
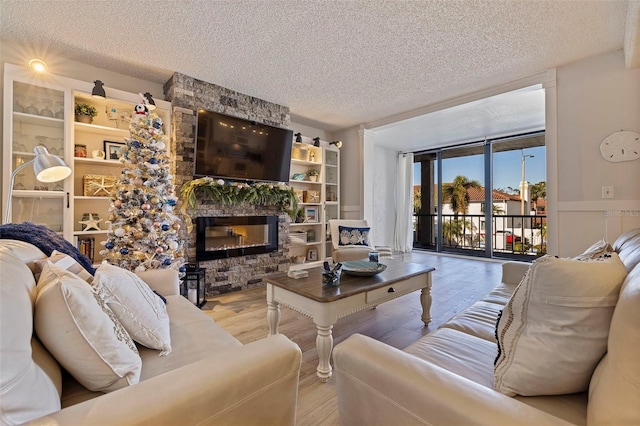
(394, 290)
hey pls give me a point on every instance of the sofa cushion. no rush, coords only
(142, 313)
(194, 336)
(463, 354)
(352, 236)
(478, 320)
(64, 261)
(553, 332)
(29, 377)
(614, 391)
(82, 333)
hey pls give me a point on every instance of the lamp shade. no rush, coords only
(49, 168)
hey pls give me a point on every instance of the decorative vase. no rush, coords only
(84, 119)
(313, 178)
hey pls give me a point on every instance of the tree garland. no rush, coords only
(280, 194)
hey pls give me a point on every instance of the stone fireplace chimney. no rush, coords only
(187, 95)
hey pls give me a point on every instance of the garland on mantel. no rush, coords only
(279, 194)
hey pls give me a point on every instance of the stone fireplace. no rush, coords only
(224, 273)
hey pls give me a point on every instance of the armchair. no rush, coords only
(343, 253)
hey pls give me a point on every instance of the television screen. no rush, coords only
(234, 148)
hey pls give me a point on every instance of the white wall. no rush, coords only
(595, 98)
(351, 173)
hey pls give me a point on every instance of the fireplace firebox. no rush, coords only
(231, 236)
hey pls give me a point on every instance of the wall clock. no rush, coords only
(621, 146)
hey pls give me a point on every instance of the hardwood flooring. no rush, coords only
(457, 283)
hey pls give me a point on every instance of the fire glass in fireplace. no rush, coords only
(223, 237)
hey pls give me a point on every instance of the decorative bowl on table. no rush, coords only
(362, 268)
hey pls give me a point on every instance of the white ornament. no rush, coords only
(119, 232)
(140, 268)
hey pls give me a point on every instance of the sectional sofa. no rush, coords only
(202, 376)
(555, 343)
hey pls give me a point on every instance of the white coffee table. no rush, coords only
(326, 304)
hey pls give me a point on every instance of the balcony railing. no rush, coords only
(519, 237)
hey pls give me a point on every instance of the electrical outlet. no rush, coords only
(607, 192)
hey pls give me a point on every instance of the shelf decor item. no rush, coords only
(300, 194)
(98, 185)
(85, 112)
(114, 150)
(311, 196)
(297, 237)
(300, 151)
(312, 175)
(90, 221)
(311, 214)
(312, 255)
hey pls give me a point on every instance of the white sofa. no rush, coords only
(208, 378)
(447, 377)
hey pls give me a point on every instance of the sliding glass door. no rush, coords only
(454, 212)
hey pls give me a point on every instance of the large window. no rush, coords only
(451, 198)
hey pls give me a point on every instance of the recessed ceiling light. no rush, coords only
(38, 65)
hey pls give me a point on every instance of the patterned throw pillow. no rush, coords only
(82, 333)
(142, 313)
(353, 236)
(597, 249)
(65, 262)
(553, 331)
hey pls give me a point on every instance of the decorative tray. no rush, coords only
(362, 268)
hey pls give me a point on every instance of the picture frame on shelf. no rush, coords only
(312, 255)
(114, 150)
(311, 214)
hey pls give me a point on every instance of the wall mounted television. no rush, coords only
(238, 149)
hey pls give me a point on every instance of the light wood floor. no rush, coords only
(457, 283)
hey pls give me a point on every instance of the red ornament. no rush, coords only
(145, 206)
(159, 250)
(117, 203)
(176, 226)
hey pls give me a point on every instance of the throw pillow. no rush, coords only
(64, 261)
(82, 333)
(142, 313)
(596, 250)
(553, 331)
(353, 236)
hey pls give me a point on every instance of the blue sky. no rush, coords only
(507, 168)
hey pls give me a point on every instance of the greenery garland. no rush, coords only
(235, 193)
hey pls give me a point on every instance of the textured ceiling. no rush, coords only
(339, 63)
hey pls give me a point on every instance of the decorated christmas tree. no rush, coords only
(144, 230)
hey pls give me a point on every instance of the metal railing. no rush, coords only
(513, 236)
